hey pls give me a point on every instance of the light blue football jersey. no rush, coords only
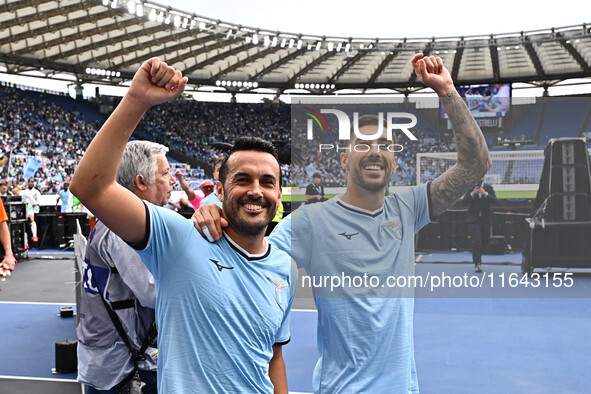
(365, 333)
(219, 310)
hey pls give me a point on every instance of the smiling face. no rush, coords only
(251, 191)
(370, 167)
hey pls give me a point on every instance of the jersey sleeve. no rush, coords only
(293, 235)
(167, 234)
(417, 199)
(283, 334)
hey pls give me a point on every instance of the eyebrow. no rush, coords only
(239, 174)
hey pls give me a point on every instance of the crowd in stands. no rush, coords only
(37, 128)
(34, 128)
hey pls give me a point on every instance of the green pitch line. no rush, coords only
(511, 194)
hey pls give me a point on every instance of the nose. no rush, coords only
(172, 181)
(255, 191)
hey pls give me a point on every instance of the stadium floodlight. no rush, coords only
(177, 21)
(167, 20)
(322, 86)
(299, 44)
(318, 45)
(255, 38)
(152, 15)
(317, 86)
(131, 7)
(339, 46)
(139, 10)
(218, 82)
(105, 2)
(361, 46)
(160, 17)
(291, 42)
(202, 25)
(347, 47)
(114, 4)
(307, 86)
(118, 74)
(229, 33)
(234, 83)
(239, 83)
(330, 46)
(255, 85)
(282, 45)
(87, 70)
(267, 41)
(223, 83)
(185, 23)
(332, 86)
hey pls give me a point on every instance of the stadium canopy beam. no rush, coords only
(103, 43)
(35, 17)
(17, 5)
(575, 54)
(309, 67)
(155, 53)
(346, 66)
(48, 28)
(455, 69)
(383, 65)
(246, 61)
(125, 50)
(494, 57)
(534, 57)
(217, 57)
(191, 54)
(76, 36)
(278, 63)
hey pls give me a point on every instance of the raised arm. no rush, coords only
(473, 158)
(184, 185)
(94, 180)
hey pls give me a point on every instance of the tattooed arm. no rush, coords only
(473, 159)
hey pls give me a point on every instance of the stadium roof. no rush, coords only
(105, 41)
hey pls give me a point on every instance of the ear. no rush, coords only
(140, 183)
(345, 161)
(220, 190)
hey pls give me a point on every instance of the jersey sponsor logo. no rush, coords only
(278, 288)
(395, 225)
(219, 266)
(348, 236)
(93, 277)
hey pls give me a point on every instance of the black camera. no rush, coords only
(134, 386)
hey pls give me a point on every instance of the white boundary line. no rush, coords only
(38, 379)
(37, 303)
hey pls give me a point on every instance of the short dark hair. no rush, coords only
(371, 120)
(249, 143)
(316, 175)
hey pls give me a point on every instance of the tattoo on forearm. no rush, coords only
(473, 158)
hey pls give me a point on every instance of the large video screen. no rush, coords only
(485, 100)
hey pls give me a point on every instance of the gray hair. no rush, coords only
(139, 158)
